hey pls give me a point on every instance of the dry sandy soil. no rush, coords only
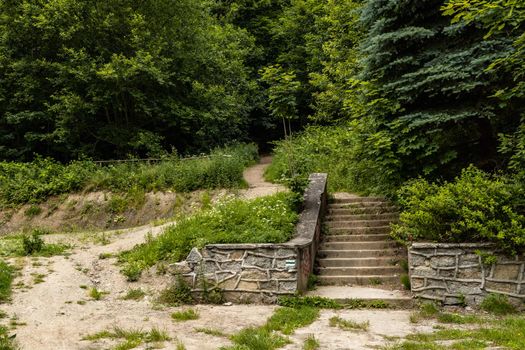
(57, 312)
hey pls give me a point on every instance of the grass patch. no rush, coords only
(348, 325)
(311, 343)
(96, 294)
(270, 336)
(134, 294)
(263, 220)
(497, 304)
(131, 337)
(311, 301)
(7, 341)
(211, 331)
(30, 244)
(6, 281)
(177, 294)
(186, 315)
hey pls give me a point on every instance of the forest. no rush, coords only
(392, 97)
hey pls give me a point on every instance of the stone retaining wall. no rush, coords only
(457, 273)
(261, 272)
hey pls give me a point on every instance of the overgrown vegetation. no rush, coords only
(34, 182)
(474, 208)
(264, 220)
(482, 332)
(348, 325)
(6, 279)
(270, 336)
(185, 315)
(7, 341)
(131, 337)
(31, 244)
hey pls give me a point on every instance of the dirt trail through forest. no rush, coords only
(53, 310)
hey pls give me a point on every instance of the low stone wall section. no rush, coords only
(457, 273)
(261, 272)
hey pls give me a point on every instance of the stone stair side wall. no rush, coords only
(262, 272)
(458, 274)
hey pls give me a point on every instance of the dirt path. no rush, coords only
(258, 186)
(51, 308)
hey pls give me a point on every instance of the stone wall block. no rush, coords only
(231, 265)
(417, 282)
(248, 285)
(506, 272)
(468, 259)
(423, 271)
(464, 288)
(254, 274)
(287, 286)
(470, 273)
(506, 287)
(443, 261)
(252, 260)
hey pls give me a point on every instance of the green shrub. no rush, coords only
(268, 219)
(177, 294)
(475, 207)
(497, 304)
(7, 342)
(32, 243)
(36, 181)
(355, 164)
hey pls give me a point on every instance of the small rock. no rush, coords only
(179, 268)
(468, 308)
(228, 304)
(194, 257)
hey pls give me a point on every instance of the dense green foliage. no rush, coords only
(339, 151)
(105, 79)
(35, 181)
(474, 208)
(264, 220)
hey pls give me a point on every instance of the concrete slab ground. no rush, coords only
(344, 293)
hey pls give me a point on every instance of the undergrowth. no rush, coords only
(36, 181)
(6, 279)
(271, 336)
(263, 220)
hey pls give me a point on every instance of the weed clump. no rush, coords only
(186, 315)
(497, 304)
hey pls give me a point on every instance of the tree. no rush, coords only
(107, 78)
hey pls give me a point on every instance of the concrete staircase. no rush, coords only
(356, 248)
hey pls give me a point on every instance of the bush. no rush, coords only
(32, 243)
(354, 164)
(268, 219)
(476, 207)
(36, 181)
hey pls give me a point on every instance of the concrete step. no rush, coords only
(352, 217)
(363, 210)
(359, 199)
(356, 262)
(345, 295)
(371, 245)
(356, 253)
(359, 271)
(335, 231)
(358, 205)
(356, 238)
(358, 280)
(358, 223)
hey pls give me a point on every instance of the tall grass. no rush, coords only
(36, 181)
(263, 220)
(6, 279)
